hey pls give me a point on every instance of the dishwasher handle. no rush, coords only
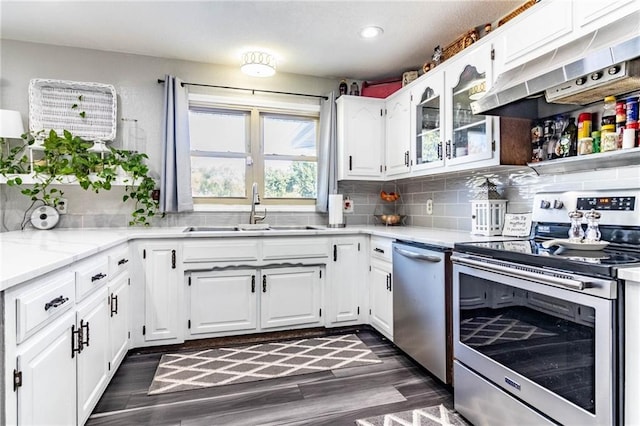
(417, 256)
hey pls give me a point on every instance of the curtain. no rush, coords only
(175, 176)
(327, 152)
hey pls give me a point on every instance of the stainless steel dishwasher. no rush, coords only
(419, 305)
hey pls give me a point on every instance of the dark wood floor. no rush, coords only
(336, 397)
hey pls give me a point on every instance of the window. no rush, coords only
(234, 146)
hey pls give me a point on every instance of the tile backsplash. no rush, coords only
(450, 195)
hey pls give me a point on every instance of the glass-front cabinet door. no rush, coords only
(469, 136)
(428, 137)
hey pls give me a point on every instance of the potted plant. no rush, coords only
(70, 158)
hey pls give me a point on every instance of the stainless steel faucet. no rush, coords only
(255, 199)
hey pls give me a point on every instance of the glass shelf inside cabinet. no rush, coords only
(469, 130)
(428, 134)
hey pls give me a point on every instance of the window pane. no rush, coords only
(221, 131)
(217, 177)
(290, 179)
(289, 135)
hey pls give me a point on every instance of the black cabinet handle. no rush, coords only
(84, 328)
(440, 150)
(335, 253)
(55, 302)
(448, 147)
(350, 162)
(173, 259)
(75, 333)
(389, 281)
(114, 311)
(122, 261)
(253, 283)
(97, 277)
(379, 250)
(264, 283)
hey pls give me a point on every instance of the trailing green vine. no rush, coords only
(67, 157)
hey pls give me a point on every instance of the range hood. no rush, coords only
(605, 62)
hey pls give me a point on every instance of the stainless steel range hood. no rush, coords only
(520, 92)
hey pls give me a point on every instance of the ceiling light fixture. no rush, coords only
(258, 64)
(371, 32)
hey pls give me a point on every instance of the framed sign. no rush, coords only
(517, 225)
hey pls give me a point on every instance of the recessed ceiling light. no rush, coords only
(371, 32)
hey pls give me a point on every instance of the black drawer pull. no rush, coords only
(264, 283)
(173, 259)
(122, 261)
(114, 311)
(379, 250)
(55, 302)
(97, 277)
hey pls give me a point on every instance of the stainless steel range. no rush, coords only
(538, 331)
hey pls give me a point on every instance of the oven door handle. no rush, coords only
(572, 284)
(417, 256)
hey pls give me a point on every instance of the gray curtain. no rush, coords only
(175, 175)
(327, 153)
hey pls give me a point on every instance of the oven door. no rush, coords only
(549, 346)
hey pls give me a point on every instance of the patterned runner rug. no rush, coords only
(216, 367)
(438, 415)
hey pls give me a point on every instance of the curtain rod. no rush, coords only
(253, 91)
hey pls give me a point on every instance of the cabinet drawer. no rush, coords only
(118, 261)
(381, 248)
(43, 302)
(220, 250)
(91, 274)
(294, 248)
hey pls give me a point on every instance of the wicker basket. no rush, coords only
(85, 109)
(516, 12)
(464, 41)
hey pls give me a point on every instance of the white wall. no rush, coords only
(139, 97)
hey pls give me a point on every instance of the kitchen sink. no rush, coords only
(252, 227)
(211, 229)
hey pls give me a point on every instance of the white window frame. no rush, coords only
(256, 105)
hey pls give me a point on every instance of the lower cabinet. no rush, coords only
(290, 296)
(162, 273)
(232, 300)
(93, 359)
(221, 301)
(346, 288)
(381, 297)
(47, 373)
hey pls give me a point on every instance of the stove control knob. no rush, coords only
(544, 204)
(558, 204)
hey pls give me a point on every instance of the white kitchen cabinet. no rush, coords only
(290, 296)
(590, 15)
(469, 138)
(222, 301)
(346, 288)
(118, 320)
(360, 123)
(545, 26)
(427, 123)
(398, 160)
(93, 361)
(381, 297)
(163, 280)
(48, 375)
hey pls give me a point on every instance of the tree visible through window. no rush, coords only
(232, 148)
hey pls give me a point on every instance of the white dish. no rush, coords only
(598, 245)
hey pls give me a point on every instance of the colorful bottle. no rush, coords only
(569, 140)
(609, 111)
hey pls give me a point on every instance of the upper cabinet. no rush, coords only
(589, 15)
(398, 135)
(468, 137)
(428, 118)
(361, 137)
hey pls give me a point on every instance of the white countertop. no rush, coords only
(25, 255)
(629, 274)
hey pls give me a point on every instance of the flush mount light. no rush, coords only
(258, 64)
(371, 32)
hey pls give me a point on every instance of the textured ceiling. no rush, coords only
(318, 38)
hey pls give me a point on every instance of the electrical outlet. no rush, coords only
(348, 205)
(429, 206)
(62, 205)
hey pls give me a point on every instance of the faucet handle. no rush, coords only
(261, 218)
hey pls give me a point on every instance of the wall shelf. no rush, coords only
(601, 160)
(31, 178)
